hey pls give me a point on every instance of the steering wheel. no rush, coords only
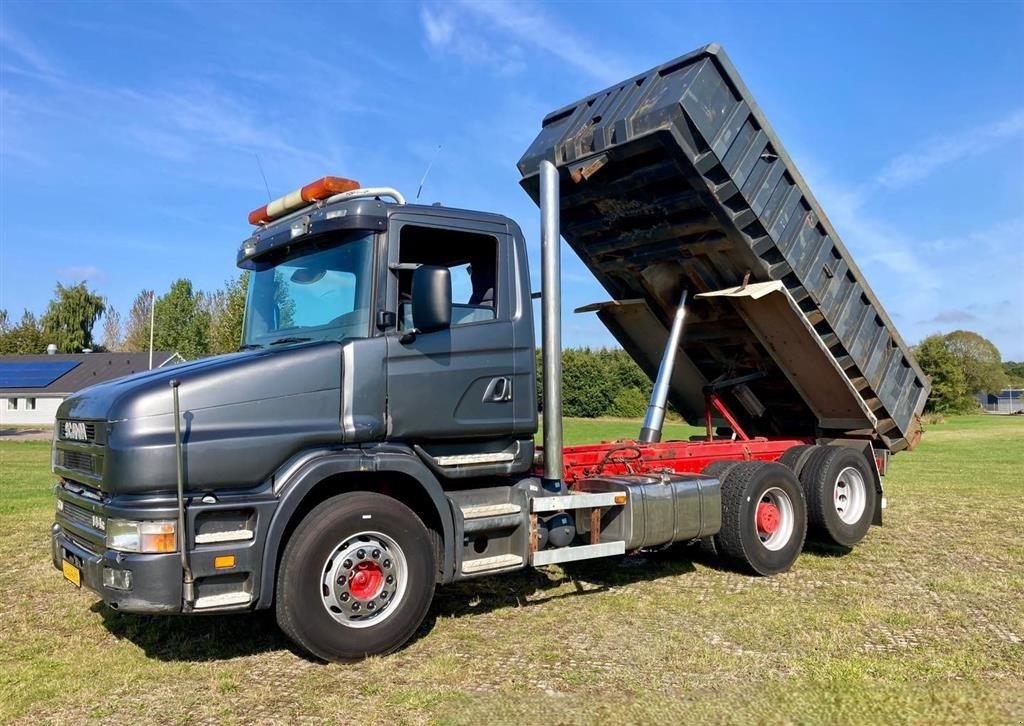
(354, 317)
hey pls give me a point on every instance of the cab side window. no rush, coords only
(472, 259)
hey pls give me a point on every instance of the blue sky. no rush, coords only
(130, 130)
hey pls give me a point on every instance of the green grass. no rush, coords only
(922, 623)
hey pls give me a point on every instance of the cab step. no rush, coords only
(490, 510)
(582, 552)
(491, 564)
(221, 600)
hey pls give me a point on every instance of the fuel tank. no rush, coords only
(660, 510)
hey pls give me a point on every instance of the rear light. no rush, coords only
(313, 192)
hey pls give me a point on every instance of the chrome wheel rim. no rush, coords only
(364, 579)
(849, 495)
(774, 519)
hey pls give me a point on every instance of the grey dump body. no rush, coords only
(674, 179)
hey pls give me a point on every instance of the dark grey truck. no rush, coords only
(374, 437)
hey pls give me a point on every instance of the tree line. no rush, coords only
(186, 321)
(595, 382)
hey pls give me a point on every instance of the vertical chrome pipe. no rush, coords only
(188, 592)
(551, 321)
(654, 421)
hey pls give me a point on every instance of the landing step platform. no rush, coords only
(490, 510)
(572, 554)
(487, 564)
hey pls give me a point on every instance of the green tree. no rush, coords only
(227, 310)
(1014, 371)
(136, 329)
(588, 388)
(949, 384)
(182, 320)
(70, 317)
(24, 338)
(629, 403)
(979, 359)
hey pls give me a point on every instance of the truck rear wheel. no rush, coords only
(717, 469)
(764, 517)
(796, 457)
(840, 491)
(356, 578)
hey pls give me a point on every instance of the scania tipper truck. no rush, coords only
(374, 437)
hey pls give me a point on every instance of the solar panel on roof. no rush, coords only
(33, 375)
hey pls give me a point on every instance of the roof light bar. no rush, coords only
(315, 191)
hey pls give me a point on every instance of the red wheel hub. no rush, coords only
(366, 581)
(767, 517)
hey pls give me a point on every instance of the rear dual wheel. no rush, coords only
(764, 516)
(839, 487)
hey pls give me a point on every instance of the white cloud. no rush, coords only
(909, 168)
(25, 51)
(448, 31)
(496, 33)
(91, 273)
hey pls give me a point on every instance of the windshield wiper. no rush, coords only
(290, 339)
(250, 346)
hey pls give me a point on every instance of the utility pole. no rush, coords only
(152, 308)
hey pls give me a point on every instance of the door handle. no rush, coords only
(499, 390)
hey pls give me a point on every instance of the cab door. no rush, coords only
(458, 383)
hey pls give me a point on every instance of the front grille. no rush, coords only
(65, 427)
(77, 514)
(77, 461)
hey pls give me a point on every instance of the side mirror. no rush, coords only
(431, 298)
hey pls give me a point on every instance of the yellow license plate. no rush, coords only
(71, 573)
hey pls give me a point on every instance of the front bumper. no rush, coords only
(156, 579)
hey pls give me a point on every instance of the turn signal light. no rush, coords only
(159, 539)
(312, 192)
(224, 562)
(620, 499)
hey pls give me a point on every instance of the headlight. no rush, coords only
(128, 536)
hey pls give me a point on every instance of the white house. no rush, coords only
(33, 386)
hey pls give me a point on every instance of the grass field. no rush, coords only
(923, 623)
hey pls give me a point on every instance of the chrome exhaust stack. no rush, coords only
(654, 421)
(551, 322)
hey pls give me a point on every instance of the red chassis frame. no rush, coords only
(611, 458)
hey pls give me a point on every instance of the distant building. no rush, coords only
(1010, 400)
(33, 386)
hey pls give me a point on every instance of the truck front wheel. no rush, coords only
(356, 578)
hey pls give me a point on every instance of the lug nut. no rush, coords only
(343, 597)
(361, 554)
(390, 579)
(376, 554)
(384, 595)
(341, 580)
(355, 607)
(370, 606)
(387, 563)
(346, 564)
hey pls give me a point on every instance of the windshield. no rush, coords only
(319, 293)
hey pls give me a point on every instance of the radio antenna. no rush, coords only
(260, 165)
(424, 179)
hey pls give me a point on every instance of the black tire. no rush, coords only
(796, 457)
(717, 469)
(744, 486)
(819, 480)
(310, 554)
